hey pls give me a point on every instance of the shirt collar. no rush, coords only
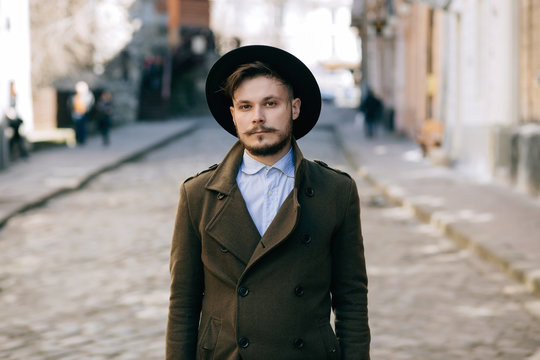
(251, 166)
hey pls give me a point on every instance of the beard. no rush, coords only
(284, 139)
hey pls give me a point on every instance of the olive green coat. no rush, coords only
(236, 294)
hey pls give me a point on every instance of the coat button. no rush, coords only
(307, 239)
(220, 196)
(298, 343)
(224, 249)
(243, 291)
(243, 342)
(310, 192)
(299, 291)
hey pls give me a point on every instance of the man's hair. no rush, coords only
(250, 71)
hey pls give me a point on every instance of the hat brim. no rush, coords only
(287, 65)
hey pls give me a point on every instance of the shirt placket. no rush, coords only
(271, 194)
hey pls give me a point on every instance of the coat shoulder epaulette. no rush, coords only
(325, 165)
(213, 167)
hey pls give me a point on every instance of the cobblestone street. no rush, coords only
(86, 276)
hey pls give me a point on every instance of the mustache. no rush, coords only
(260, 128)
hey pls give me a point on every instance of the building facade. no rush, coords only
(316, 31)
(15, 83)
(131, 48)
(472, 65)
(529, 61)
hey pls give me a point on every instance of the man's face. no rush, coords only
(263, 113)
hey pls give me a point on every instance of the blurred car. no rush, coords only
(337, 86)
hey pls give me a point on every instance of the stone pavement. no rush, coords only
(86, 276)
(51, 172)
(492, 220)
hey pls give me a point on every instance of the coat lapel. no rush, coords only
(288, 215)
(232, 227)
(280, 228)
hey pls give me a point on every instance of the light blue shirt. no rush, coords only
(264, 188)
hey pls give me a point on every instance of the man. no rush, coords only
(17, 145)
(80, 104)
(372, 107)
(266, 243)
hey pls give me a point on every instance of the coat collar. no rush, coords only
(224, 178)
(251, 166)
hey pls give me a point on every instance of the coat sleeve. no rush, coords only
(186, 285)
(349, 283)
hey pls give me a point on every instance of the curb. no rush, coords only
(86, 179)
(528, 277)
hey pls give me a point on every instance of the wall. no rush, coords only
(416, 27)
(15, 59)
(529, 48)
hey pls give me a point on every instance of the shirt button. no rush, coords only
(269, 192)
(298, 343)
(243, 342)
(243, 291)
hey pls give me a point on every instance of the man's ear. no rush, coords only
(296, 108)
(231, 108)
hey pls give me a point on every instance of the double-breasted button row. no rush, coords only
(243, 291)
(243, 342)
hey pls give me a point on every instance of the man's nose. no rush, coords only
(258, 115)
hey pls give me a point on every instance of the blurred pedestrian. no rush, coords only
(12, 94)
(267, 243)
(372, 108)
(81, 104)
(17, 144)
(4, 143)
(104, 109)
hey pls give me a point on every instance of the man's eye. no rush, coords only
(270, 103)
(244, 107)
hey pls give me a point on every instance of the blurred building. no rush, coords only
(15, 86)
(522, 166)
(469, 64)
(316, 31)
(15, 89)
(138, 50)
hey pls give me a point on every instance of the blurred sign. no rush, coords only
(431, 83)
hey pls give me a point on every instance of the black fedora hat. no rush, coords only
(285, 64)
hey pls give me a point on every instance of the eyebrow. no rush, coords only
(266, 98)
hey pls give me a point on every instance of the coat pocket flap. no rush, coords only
(210, 334)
